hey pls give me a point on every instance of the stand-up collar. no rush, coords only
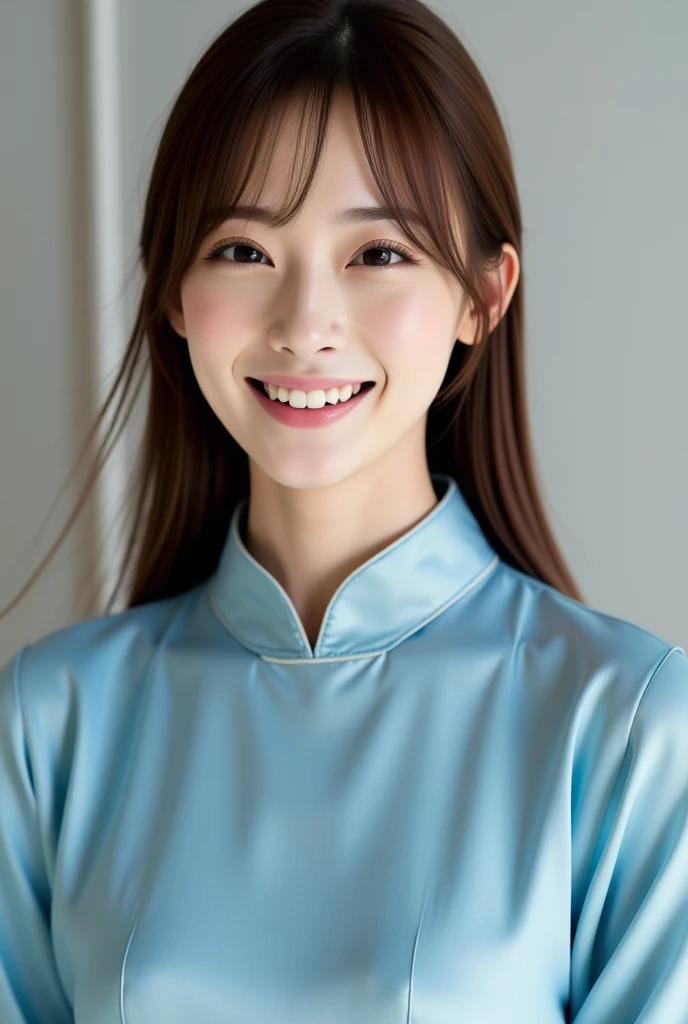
(385, 600)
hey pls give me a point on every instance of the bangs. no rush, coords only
(397, 158)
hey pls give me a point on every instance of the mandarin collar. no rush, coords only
(381, 603)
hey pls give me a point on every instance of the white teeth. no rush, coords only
(311, 399)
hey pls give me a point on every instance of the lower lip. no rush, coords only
(307, 418)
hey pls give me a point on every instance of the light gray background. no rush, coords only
(595, 101)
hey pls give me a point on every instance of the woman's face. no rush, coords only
(301, 301)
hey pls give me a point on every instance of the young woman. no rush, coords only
(356, 750)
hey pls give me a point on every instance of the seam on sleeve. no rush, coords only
(19, 657)
(656, 669)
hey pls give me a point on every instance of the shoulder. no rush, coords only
(593, 666)
(615, 695)
(89, 662)
(77, 692)
(74, 698)
(591, 636)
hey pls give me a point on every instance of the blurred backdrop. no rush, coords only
(594, 97)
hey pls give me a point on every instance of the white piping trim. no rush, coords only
(274, 660)
(106, 248)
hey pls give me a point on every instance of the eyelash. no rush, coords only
(379, 243)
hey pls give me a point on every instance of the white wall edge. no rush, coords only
(106, 248)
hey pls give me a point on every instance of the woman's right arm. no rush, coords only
(30, 987)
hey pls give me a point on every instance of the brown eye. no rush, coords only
(245, 251)
(386, 261)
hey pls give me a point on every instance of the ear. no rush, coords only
(504, 276)
(176, 317)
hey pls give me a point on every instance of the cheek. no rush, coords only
(213, 319)
(406, 328)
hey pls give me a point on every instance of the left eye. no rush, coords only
(245, 247)
(405, 257)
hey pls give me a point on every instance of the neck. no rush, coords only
(311, 541)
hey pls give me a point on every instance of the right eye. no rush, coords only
(243, 245)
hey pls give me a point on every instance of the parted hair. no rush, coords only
(434, 140)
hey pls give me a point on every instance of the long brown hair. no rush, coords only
(434, 141)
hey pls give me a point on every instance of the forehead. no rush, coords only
(342, 177)
(340, 217)
(279, 157)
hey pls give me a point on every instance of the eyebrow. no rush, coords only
(354, 215)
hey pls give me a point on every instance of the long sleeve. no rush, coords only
(30, 988)
(630, 948)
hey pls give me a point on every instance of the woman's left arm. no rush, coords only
(629, 953)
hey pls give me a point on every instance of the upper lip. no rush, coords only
(309, 383)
